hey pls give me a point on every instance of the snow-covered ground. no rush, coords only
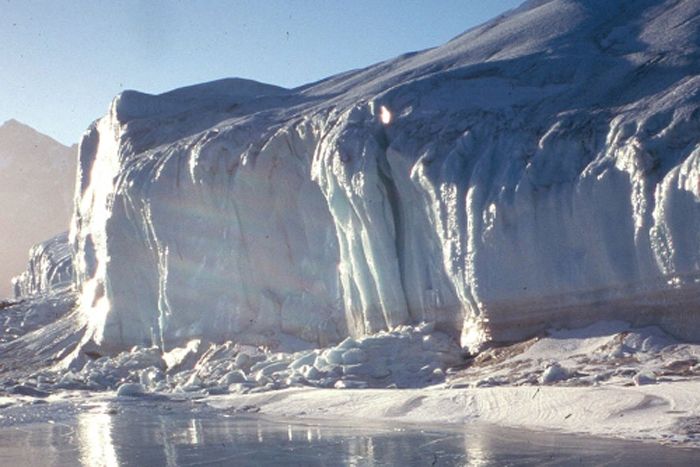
(666, 412)
(604, 380)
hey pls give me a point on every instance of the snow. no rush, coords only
(605, 353)
(663, 413)
(220, 95)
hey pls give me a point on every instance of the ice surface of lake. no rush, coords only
(167, 433)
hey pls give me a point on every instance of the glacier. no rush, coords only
(50, 269)
(503, 227)
(540, 170)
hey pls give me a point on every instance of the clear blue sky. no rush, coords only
(61, 62)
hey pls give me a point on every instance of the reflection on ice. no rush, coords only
(174, 434)
(478, 448)
(193, 432)
(95, 439)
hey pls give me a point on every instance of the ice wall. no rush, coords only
(50, 268)
(541, 170)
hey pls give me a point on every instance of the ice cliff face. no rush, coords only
(50, 268)
(540, 170)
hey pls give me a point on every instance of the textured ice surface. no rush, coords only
(50, 268)
(127, 431)
(607, 353)
(610, 354)
(404, 357)
(540, 170)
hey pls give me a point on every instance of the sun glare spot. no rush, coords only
(95, 439)
(384, 115)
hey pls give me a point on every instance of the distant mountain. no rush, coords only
(37, 179)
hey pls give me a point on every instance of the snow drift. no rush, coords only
(540, 170)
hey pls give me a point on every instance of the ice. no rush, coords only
(518, 207)
(131, 390)
(36, 314)
(50, 268)
(128, 431)
(183, 356)
(397, 358)
(607, 353)
(537, 171)
(553, 374)
(642, 378)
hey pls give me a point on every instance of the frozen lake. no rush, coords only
(152, 433)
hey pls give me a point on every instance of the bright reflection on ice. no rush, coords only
(95, 438)
(193, 432)
(479, 449)
(384, 115)
(186, 434)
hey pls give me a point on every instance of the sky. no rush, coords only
(61, 63)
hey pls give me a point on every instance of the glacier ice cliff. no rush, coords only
(540, 170)
(50, 268)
